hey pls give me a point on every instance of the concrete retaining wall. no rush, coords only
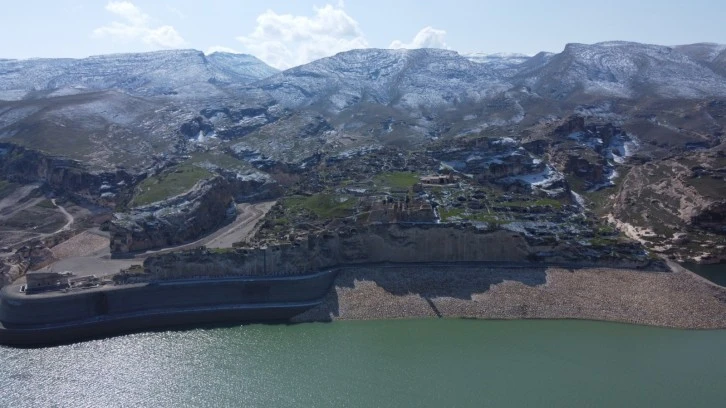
(69, 315)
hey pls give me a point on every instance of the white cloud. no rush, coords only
(285, 40)
(179, 14)
(137, 26)
(428, 37)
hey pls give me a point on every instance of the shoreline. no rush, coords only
(677, 299)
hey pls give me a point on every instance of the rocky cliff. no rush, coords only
(176, 220)
(27, 257)
(395, 243)
(64, 176)
(188, 216)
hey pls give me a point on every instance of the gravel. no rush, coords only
(676, 299)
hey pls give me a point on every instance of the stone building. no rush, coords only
(39, 281)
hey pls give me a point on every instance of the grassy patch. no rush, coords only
(323, 205)
(601, 242)
(169, 183)
(46, 204)
(484, 217)
(540, 202)
(450, 212)
(400, 180)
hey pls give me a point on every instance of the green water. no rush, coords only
(420, 363)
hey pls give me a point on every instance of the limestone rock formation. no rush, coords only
(176, 220)
(376, 243)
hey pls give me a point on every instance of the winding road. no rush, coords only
(248, 215)
(68, 216)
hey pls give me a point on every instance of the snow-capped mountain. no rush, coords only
(240, 68)
(500, 61)
(152, 73)
(710, 54)
(401, 78)
(623, 70)
(356, 98)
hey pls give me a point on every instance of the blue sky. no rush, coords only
(288, 33)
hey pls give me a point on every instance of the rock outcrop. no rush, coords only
(64, 176)
(176, 220)
(25, 258)
(376, 243)
(11, 268)
(662, 200)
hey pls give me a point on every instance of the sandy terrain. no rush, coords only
(84, 244)
(88, 252)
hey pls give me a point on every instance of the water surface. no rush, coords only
(378, 363)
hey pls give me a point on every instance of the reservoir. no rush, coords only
(426, 362)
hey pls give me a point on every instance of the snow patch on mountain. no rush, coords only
(148, 74)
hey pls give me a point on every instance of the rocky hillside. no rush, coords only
(146, 74)
(582, 127)
(623, 70)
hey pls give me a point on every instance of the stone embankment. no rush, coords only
(676, 298)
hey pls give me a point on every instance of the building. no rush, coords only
(40, 281)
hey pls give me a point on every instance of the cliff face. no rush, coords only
(377, 243)
(174, 221)
(65, 176)
(396, 243)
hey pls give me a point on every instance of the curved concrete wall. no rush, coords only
(20, 310)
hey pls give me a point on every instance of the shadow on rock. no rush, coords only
(432, 282)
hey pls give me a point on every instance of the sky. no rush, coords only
(290, 33)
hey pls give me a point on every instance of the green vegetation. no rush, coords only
(323, 205)
(600, 242)
(484, 217)
(400, 180)
(169, 183)
(540, 202)
(46, 204)
(447, 213)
